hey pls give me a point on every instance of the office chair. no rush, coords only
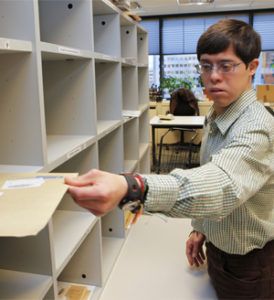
(182, 154)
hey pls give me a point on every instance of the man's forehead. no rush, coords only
(226, 55)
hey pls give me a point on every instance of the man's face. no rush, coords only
(228, 79)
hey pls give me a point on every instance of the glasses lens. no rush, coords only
(226, 67)
(205, 68)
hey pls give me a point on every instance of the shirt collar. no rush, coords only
(232, 113)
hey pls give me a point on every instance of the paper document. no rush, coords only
(28, 201)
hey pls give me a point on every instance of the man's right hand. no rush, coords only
(194, 249)
(97, 191)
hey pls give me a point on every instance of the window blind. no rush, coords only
(180, 35)
(263, 23)
(152, 27)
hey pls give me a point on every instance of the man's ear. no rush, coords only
(253, 65)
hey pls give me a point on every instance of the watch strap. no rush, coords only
(135, 194)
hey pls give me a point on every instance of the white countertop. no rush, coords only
(153, 265)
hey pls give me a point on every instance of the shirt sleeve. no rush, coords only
(197, 224)
(214, 190)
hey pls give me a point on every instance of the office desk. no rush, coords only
(189, 122)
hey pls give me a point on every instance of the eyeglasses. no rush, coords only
(222, 67)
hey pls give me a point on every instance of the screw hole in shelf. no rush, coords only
(127, 32)
(110, 229)
(84, 275)
(70, 6)
(103, 23)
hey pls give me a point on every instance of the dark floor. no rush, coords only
(176, 156)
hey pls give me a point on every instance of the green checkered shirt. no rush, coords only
(230, 198)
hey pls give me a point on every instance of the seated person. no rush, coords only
(183, 103)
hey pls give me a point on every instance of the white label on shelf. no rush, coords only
(131, 113)
(68, 50)
(74, 151)
(23, 183)
(50, 177)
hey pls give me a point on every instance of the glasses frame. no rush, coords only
(218, 68)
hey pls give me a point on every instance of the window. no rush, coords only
(154, 70)
(181, 71)
(263, 23)
(173, 41)
(152, 27)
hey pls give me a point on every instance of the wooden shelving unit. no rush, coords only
(74, 96)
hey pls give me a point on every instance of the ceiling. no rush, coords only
(167, 7)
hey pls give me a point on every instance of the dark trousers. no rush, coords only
(249, 276)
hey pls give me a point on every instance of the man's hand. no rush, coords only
(97, 191)
(194, 249)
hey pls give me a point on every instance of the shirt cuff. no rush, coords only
(198, 225)
(162, 193)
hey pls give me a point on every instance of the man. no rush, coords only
(230, 198)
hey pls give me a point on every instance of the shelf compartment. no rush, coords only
(63, 286)
(113, 237)
(12, 45)
(80, 163)
(130, 166)
(58, 52)
(108, 100)
(104, 7)
(106, 127)
(131, 142)
(111, 250)
(20, 169)
(142, 149)
(111, 154)
(129, 43)
(68, 100)
(130, 89)
(20, 118)
(81, 270)
(26, 264)
(143, 133)
(107, 34)
(17, 20)
(67, 21)
(144, 162)
(63, 147)
(21, 285)
(142, 47)
(125, 20)
(70, 228)
(143, 88)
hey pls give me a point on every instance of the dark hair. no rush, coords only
(218, 37)
(183, 103)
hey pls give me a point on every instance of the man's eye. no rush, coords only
(207, 67)
(226, 67)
